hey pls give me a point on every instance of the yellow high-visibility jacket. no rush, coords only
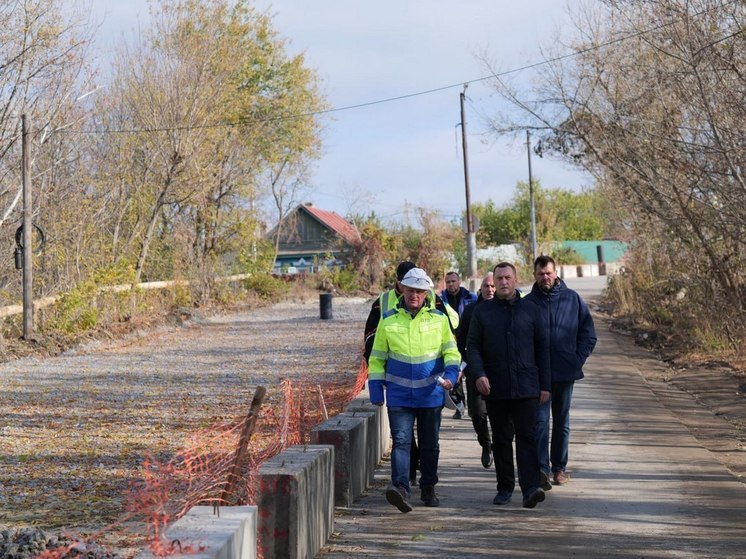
(409, 354)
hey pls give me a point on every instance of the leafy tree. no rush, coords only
(430, 243)
(376, 248)
(560, 215)
(43, 74)
(212, 102)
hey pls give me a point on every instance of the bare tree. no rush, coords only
(652, 103)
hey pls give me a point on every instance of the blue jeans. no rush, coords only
(560, 410)
(401, 421)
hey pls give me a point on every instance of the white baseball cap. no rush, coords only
(416, 278)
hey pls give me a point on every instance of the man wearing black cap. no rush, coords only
(386, 301)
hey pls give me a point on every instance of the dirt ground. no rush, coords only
(709, 398)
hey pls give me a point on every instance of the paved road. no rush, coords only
(641, 487)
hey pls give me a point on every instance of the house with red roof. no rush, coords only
(312, 237)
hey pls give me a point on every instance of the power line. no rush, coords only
(248, 121)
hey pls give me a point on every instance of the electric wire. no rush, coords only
(250, 121)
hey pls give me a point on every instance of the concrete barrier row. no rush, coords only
(588, 270)
(298, 490)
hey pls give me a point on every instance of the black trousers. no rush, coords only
(509, 418)
(477, 411)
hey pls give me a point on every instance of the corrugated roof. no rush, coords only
(335, 222)
(613, 251)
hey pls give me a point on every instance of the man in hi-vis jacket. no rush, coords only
(413, 360)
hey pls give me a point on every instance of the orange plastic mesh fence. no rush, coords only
(198, 474)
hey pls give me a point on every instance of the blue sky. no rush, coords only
(405, 154)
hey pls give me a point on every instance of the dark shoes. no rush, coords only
(487, 455)
(428, 496)
(544, 482)
(534, 498)
(398, 497)
(561, 478)
(502, 498)
(460, 411)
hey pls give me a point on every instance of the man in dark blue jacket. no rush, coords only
(508, 354)
(572, 337)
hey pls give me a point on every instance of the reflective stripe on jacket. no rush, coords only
(409, 353)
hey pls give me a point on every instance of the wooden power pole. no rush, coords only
(534, 247)
(471, 237)
(28, 300)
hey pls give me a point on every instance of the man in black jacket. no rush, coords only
(508, 354)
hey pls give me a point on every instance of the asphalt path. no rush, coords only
(641, 486)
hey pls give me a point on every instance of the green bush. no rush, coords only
(75, 311)
(267, 287)
(346, 280)
(564, 255)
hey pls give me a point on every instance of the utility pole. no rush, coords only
(534, 249)
(28, 300)
(471, 238)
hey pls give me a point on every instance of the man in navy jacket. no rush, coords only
(508, 354)
(572, 337)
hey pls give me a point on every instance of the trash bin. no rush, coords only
(325, 305)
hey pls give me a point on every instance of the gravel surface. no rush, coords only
(74, 429)
(27, 543)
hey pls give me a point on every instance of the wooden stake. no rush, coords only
(323, 405)
(241, 451)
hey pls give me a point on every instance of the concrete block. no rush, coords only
(383, 439)
(584, 271)
(296, 502)
(204, 535)
(348, 436)
(568, 271)
(371, 445)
